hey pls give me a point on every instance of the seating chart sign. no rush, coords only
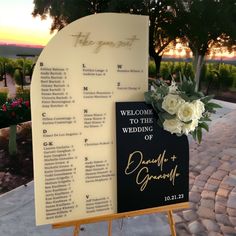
(87, 67)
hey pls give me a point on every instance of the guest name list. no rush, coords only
(81, 73)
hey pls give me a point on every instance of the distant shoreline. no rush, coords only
(12, 50)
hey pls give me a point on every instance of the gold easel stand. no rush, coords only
(169, 208)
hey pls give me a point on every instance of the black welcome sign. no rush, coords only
(152, 164)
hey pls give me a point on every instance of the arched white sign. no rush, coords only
(87, 67)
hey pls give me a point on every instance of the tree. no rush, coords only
(65, 11)
(162, 14)
(204, 23)
(163, 26)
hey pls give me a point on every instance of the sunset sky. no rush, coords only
(17, 25)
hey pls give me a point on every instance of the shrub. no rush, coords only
(23, 93)
(226, 77)
(14, 111)
(169, 69)
(18, 77)
(165, 70)
(152, 69)
(3, 95)
(178, 68)
(188, 70)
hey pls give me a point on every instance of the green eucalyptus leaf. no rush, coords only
(208, 108)
(205, 118)
(193, 98)
(204, 126)
(158, 104)
(200, 94)
(168, 116)
(185, 97)
(206, 99)
(199, 135)
(160, 115)
(163, 91)
(213, 105)
(148, 97)
(159, 123)
(155, 107)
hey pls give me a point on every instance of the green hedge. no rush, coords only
(175, 69)
(219, 75)
(23, 93)
(3, 95)
(18, 77)
(12, 64)
(152, 69)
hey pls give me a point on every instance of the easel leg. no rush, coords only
(109, 227)
(76, 230)
(171, 223)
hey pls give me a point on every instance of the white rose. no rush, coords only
(171, 103)
(199, 108)
(186, 112)
(174, 126)
(187, 128)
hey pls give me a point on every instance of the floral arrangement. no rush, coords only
(14, 111)
(181, 110)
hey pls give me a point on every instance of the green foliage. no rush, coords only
(11, 65)
(176, 69)
(219, 75)
(226, 75)
(23, 93)
(3, 95)
(234, 81)
(188, 70)
(6, 66)
(18, 77)
(25, 65)
(152, 69)
(165, 70)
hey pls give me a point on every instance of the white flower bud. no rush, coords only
(171, 103)
(186, 112)
(174, 126)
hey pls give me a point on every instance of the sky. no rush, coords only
(18, 26)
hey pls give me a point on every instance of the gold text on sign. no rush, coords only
(84, 39)
(136, 165)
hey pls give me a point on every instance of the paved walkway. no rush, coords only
(17, 218)
(212, 181)
(212, 195)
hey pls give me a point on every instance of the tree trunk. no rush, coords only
(152, 52)
(197, 65)
(12, 141)
(157, 58)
